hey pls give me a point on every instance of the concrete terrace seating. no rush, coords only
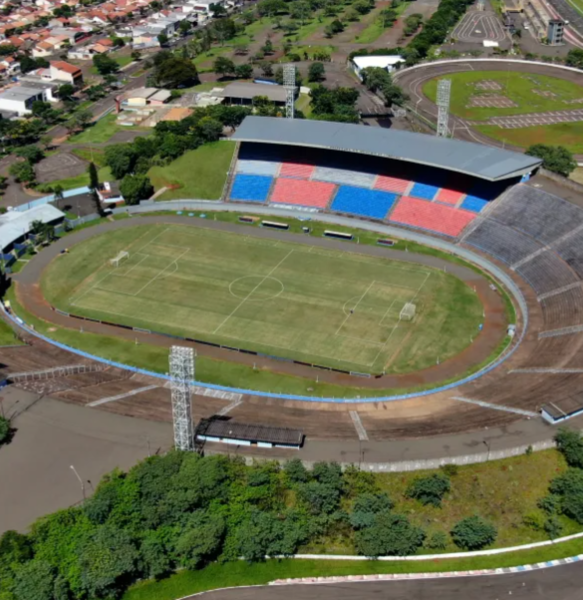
(366, 203)
(431, 216)
(564, 309)
(571, 250)
(546, 272)
(505, 243)
(252, 188)
(449, 196)
(474, 204)
(392, 184)
(541, 215)
(257, 167)
(344, 177)
(304, 193)
(297, 170)
(423, 190)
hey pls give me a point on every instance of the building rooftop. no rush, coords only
(485, 162)
(15, 224)
(65, 66)
(248, 91)
(231, 430)
(364, 62)
(21, 93)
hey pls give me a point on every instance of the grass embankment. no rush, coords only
(71, 183)
(375, 28)
(230, 374)
(216, 576)
(100, 132)
(199, 173)
(528, 93)
(7, 336)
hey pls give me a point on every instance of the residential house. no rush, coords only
(63, 71)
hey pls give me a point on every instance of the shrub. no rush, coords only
(473, 533)
(296, 471)
(366, 507)
(429, 490)
(389, 535)
(570, 445)
(4, 430)
(437, 541)
(450, 469)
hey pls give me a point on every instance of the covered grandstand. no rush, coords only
(415, 180)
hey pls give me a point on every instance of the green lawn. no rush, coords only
(94, 155)
(569, 135)
(122, 61)
(284, 299)
(198, 174)
(525, 92)
(7, 337)
(98, 133)
(71, 183)
(241, 573)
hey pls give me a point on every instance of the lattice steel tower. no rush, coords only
(181, 378)
(289, 82)
(443, 96)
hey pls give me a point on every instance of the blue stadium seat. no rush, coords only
(474, 204)
(360, 201)
(253, 188)
(423, 190)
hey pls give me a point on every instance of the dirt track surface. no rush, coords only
(29, 294)
(412, 82)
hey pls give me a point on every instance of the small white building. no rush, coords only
(19, 99)
(204, 6)
(389, 63)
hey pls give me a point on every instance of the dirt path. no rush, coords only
(29, 294)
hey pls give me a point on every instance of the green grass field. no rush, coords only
(328, 307)
(525, 91)
(198, 174)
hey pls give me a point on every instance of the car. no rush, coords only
(526, 26)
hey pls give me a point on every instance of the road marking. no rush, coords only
(121, 396)
(360, 430)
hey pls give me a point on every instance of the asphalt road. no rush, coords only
(557, 583)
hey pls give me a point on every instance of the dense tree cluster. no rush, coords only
(379, 80)
(555, 158)
(336, 104)
(436, 28)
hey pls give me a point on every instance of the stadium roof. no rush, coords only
(15, 224)
(477, 160)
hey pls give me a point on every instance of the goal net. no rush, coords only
(407, 312)
(115, 261)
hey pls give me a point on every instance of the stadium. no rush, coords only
(418, 285)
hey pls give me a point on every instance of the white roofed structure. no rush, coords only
(15, 225)
(387, 62)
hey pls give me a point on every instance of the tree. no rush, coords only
(105, 558)
(224, 66)
(575, 58)
(267, 48)
(32, 154)
(333, 28)
(184, 27)
(387, 17)
(570, 445)
(555, 158)
(46, 141)
(4, 433)
(105, 64)
(176, 73)
(316, 72)
(473, 533)
(429, 490)
(320, 498)
(351, 15)
(58, 192)
(296, 471)
(389, 534)
(218, 10)
(66, 91)
(45, 112)
(36, 579)
(135, 188)
(120, 158)
(210, 129)
(266, 68)
(201, 539)
(244, 71)
(22, 172)
(366, 507)
(163, 40)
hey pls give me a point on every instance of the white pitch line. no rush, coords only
(172, 264)
(121, 396)
(252, 291)
(352, 312)
(227, 409)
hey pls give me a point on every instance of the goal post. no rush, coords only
(407, 312)
(115, 261)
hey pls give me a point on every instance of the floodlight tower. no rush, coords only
(289, 82)
(443, 97)
(181, 378)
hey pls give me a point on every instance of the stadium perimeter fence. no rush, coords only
(388, 230)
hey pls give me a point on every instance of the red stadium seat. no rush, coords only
(297, 170)
(449, 196)
(304, 193)
(431, 216)
(392, 184)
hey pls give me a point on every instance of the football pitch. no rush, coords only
(318, 305)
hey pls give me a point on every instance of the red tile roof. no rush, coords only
(65, 66)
